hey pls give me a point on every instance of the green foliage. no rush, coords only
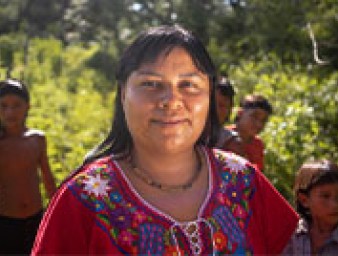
(9, 45)
(67, 55)
(65, 100)
(304, 121)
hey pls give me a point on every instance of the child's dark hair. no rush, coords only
(312, 174)
(225, 87)
(256, 101)
(12, 86)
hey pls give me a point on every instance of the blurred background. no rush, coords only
(66, 52)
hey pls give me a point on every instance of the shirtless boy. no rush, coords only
(23, 152)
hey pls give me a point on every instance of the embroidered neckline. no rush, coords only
(141, 174)
(168, 217)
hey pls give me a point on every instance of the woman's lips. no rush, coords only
(169, 122)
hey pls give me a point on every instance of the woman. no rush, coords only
(253, 114)
(153, 186)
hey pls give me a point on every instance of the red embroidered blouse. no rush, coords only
(99, 212)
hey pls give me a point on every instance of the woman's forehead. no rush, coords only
(177, 60)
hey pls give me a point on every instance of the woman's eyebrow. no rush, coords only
(147, 73)
(191, 75)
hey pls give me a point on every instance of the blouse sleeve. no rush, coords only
(65, 227)
(273, 219)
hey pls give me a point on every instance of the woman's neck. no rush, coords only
(167, 168)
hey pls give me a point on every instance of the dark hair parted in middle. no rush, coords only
(147, 47)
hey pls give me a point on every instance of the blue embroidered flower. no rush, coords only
(246, 180)
(226, 176)
(99, 205)
(115, 197)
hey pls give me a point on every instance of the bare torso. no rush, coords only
(19, 182)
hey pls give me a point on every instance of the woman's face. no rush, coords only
(166, 103)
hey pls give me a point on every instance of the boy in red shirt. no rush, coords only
(251, 118)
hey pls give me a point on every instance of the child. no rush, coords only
(22, 152)
(251, 118)
(316, 194)
(228, 140)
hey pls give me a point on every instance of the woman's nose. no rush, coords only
(170, 99)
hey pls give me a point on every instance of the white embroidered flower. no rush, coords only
(97, 186)
(236, 163)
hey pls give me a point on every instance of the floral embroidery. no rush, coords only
(220, 241)
(96, 185)
(229, 225)
(139, 217)
(235, 163)
(115, 197)
(136, 230)
(126, 238)
(173, 251)
(234, 193)
(121, 218)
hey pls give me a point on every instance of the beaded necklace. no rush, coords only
(141, 174)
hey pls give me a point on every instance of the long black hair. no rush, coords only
(147, 47)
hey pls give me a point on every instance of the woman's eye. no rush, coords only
(187, 84)
(151, 84)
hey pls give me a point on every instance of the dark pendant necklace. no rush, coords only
(141, 174)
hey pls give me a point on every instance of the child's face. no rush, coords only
(13, 110)
(252, 121)
(322, 202)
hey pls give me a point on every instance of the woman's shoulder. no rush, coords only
(98, 176)
(231, 161)
(93, 183)
(234, 171)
